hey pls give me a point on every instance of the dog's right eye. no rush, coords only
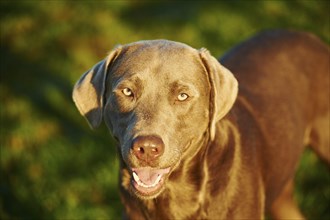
(127, 92)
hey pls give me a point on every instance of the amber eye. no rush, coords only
(127, 92)
(182, 97)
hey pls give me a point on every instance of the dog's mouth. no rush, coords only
(148, 182)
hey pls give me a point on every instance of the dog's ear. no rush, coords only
(89, 90)
(224, 88)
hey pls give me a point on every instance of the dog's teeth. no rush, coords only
(136, 177)
(158, 179)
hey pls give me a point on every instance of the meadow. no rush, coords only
(53, 166)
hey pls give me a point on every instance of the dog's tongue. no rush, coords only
(147, 175)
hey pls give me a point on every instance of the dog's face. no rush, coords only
(158, 100)
(157, 105)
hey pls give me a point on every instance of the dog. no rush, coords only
(203, 139)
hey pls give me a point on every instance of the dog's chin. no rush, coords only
(147, 183)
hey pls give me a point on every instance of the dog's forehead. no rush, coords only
(160, 58)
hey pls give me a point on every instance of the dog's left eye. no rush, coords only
(127, 92)
(182, 97)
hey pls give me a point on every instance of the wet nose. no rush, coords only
(148, 148)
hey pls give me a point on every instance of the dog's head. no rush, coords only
(159, 99)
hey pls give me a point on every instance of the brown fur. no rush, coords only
(231, 156)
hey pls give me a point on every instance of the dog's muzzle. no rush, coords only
(148, 179)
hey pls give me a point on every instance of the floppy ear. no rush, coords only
(224, 88)
(89, 90)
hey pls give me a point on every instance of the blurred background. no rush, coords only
(52, 165)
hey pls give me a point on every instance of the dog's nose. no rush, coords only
(148, 148)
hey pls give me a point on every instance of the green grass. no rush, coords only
(52, 165)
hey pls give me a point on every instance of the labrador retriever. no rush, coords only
(204, 140)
